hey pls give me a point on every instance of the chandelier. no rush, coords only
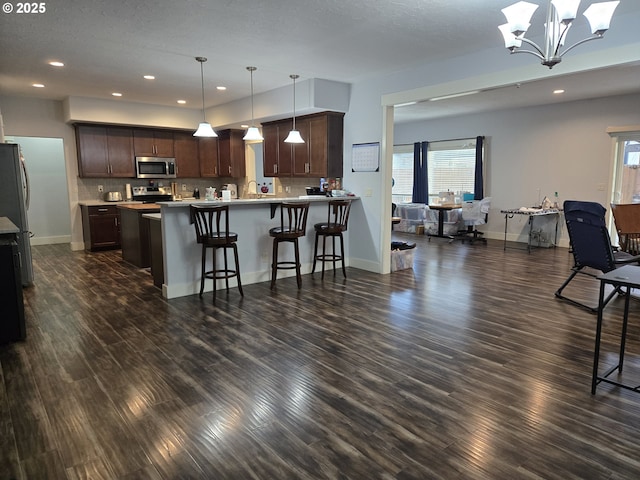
(560, 16)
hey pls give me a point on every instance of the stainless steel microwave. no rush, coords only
(155, 167)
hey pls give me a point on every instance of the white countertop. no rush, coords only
(253, 201)
(152, 216)
(7, 226)
(99, 203)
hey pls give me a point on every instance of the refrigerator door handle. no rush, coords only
(26, 181)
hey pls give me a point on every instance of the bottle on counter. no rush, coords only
(196, 193)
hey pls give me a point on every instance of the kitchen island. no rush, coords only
(134, 231)
(251, 219)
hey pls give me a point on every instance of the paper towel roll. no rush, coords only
(128, 195)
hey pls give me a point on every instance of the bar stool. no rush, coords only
(337, 218)
(212, 232)
(293, 224)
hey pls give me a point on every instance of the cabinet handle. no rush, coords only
(306, 168)
(116, 221)
(275, 169)
(229, 168)
(103, 209)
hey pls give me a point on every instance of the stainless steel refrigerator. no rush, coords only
(14, 202)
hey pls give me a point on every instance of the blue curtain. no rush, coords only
(478, 184)
(420, 173)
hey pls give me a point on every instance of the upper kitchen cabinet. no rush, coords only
(208, 156)
(320, 155)
(153, 143)
(231, 158)
(277, 155)
(186, 154)
(105, 151)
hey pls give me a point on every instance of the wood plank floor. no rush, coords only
(464, 367)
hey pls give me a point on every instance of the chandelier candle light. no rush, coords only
(204, 129)
(560, 15)
(294, 135)
(253, 134)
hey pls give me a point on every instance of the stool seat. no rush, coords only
(293, 225)
(212, 232)
(337, 219)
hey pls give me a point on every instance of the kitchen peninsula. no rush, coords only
(251, 219)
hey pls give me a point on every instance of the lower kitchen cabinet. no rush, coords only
(100, 227)
(135, 233)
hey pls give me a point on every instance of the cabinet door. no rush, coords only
(120, 152)
(186, 154)
(105, 230)
(270, 150)
(164, 143)
(318, 154)
(301, 165)
(92, 151)
(143, 145)
(285, 150)
(231, 157)
(208, 156)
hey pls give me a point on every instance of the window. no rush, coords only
(451, 166)
(402, 189)
(626, 187)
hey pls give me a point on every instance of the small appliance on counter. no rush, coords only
(315, 191)
(232, 187)
(113, 197)
(128, 193)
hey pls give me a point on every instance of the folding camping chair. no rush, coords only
(591, 246)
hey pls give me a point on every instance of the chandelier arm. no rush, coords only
(541, 57)
(595, 37)
(556, 52)
(534, 45)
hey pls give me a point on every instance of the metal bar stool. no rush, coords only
(212, 232)
(293, 225)
(337, 218)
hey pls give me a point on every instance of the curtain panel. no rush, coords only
(420, 173)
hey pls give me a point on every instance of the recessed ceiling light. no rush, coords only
(116, 94)
(56, 64)
(149, 77)
(558, 91)
(221, 88)
(244, 126)
(38, 85)
(182, 102)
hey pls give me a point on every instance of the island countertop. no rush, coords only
(254, 201)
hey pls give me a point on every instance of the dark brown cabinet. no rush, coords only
(105, 151)
(231, 157)
(185, 147)
(136, 247)
(208, 156)
(100, 227)
(153, 143)
(321, 154)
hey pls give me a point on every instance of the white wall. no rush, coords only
(560, 148)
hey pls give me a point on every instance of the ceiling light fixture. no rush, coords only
(253, 134)
(149, 77)
(294, 135)
(558, 92)
(560, 15)
(204, 129)
(38, 85)
(56, 64)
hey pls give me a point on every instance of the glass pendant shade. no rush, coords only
(566, 10)
(253, 134)
(510, 40)
(294, 137)
(519, 16)
(204, 129)
(599, 16)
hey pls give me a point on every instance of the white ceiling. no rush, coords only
(108, 46)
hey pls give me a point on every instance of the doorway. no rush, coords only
(48, 214)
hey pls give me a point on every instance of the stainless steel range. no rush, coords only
(152, 194)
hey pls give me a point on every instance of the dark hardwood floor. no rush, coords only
(464, 367)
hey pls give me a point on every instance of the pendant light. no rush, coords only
(294, 135)
(204, 129)
(253, 133)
